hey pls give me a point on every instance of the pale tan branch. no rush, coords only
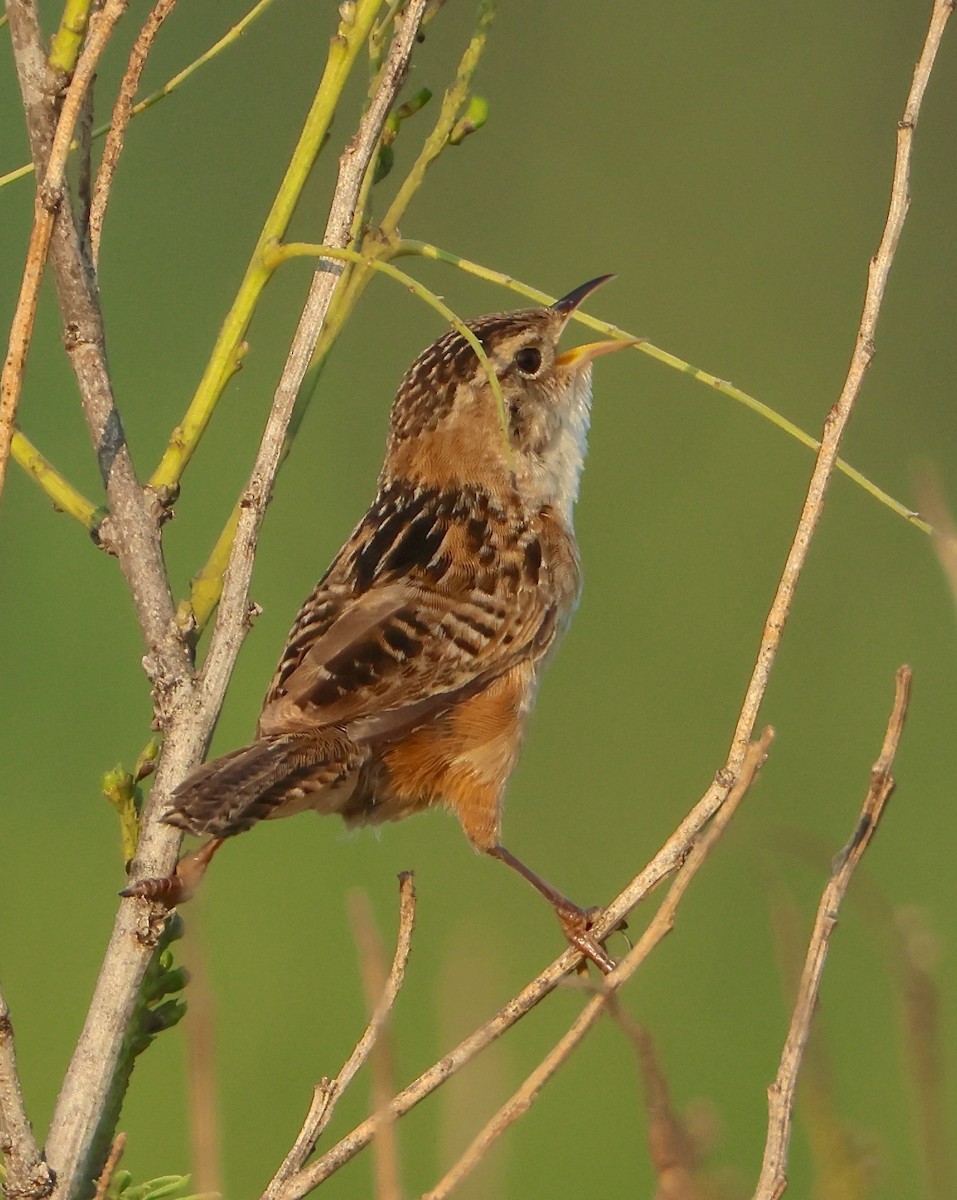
(109, 1167)
(134, 536)
(372, 968)
(27, 1173)
(287, 1180)
(836, 421)
(660, 925)
(773, 1178)
(49, 200)
(120, 119)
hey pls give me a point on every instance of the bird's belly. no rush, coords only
(461, 761)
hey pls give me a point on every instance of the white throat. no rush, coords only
(554, 474)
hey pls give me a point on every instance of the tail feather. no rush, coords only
(285, 771)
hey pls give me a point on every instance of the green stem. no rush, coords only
(427, 250)
(63, 494)
(65, 47)
(344, 48)
(452, 104)
(281, 253)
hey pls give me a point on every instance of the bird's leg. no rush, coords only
(175, 889)
(576, 922)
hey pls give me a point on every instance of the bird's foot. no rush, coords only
(577, 924)
(175, 889)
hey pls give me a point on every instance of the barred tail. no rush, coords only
(273, 775)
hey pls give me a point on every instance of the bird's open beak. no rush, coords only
(581, 355)
(567, 305)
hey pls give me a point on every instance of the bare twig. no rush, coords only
(837, 418)
(372, 967)
(122, 111)
(134, 535)
(658, 927)
(49, 199)
(773, 1179)
(231, 622)
(287, 1180)
(27, 1173)
(781, 1093)
(109, 1167)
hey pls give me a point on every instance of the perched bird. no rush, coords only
(410, 671)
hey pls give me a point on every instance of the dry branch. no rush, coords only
(27, 1173)
(120, 118)
(660, 925)
(837, 419)
(232, 618)
(49, 199)
(287, 1181)
(773, 1179)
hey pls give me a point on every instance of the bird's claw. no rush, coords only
(176, 888)
(577, 926)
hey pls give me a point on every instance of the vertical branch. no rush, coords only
(49, 199)
(773, 1179)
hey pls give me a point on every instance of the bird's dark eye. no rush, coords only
(528, 360)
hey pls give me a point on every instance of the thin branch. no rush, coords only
(64, 495)
(327, 1092)
(836, 421)
(773, 1179)
(660, 925)
(75, 1138)
(354, 28)
(120, 119)
(109, 1167)
(49, 199)
(27, 1173)
(674, 853)
(373, 970)
(231, 622)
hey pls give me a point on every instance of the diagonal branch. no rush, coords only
(837, 419)
(327, 1093)
(78, 1138)
(661, 924)
(27, 1173)
(773, 1179)
(122, 112)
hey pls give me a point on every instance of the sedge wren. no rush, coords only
(410, 672)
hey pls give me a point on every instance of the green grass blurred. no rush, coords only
(731, 163)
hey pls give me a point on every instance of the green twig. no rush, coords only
(426, 250)
(65, 47)
(452, 103)
(63, 494)
(343, 49)
(289, 250)
(373, 246)
(232, 35)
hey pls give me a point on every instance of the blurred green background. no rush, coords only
(731, 162)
